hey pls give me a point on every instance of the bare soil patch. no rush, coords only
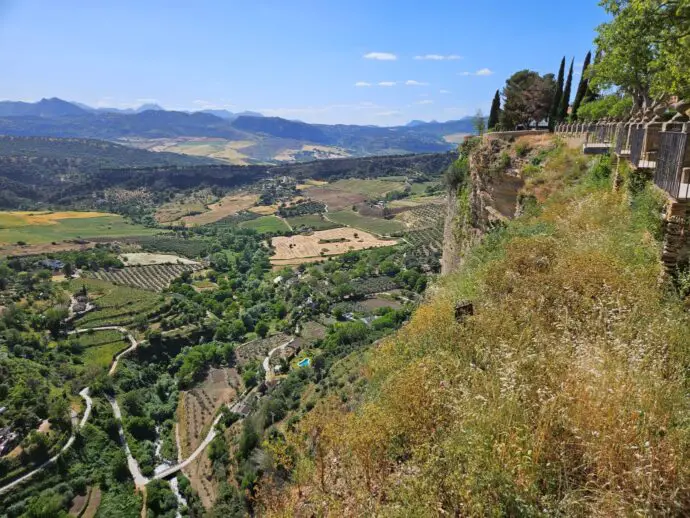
(198, 406)
(324, 243)
(146, 259)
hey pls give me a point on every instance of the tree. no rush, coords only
(582, 86)
(557, 96)
(527, 99)
(565, 100)
(645, 49)
(262, 329)
(479, 123)
(495, 111)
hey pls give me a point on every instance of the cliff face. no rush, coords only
(489, 196)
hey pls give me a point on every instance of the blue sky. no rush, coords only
(298, 59)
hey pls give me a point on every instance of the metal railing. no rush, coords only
(667, 175)
(636, 143)
(621, 139)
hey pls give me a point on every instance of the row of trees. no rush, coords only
(642, 60)
(530, 99)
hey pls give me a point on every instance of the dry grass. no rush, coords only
(316, 245)
(565, 394)
(333, 198)
(227, 206)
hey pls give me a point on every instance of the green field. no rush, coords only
(115, 305)
(265, 224)
(420, 188)
(102, 355)
(314, 221)
(378, 226)
(100, 347)
(14, 229)
(373, 188)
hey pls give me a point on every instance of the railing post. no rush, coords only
(652, 135)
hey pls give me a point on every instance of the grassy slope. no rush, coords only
(314, 221)
(564, 394)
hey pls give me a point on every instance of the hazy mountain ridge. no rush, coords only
(57, 118)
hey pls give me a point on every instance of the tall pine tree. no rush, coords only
(582, 87)
(495, 111)
(558, 94)
(565, 100)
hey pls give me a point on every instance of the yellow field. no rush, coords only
(13, 219)
(294, 249)
(264, 210)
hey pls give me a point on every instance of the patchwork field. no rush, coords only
(258, 349)
(293, 249)
(334, 199)
(48, 227)
(184, 206)
(353, 219)
(265, 224)
(226, 206)
(101, 355)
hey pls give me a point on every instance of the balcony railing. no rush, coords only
(621, 139)
(636, 144)
(668, 174)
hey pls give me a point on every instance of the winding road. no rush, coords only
(139, 479)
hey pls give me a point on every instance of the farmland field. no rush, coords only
(378, 226)
(228, 205)
(184, 206)
(369, 188)
(294, 249)
(146, 259)
(313, 221)
(102, 355)
(46, 227)
(265, 224)
(155, 277)
(334, 199)
(115, 305)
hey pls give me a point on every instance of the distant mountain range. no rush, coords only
(263, 139)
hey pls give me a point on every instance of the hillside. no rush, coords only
(66, 172)
(241, 138)
(35, 169)
(562, 393)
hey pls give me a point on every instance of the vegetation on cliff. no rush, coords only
(563, 394)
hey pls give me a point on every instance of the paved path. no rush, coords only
(234, 407)
(139, 479)
(84, 394)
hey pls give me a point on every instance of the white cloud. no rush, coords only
(362, 83)
(381, 56)
(444, 91)
(387, 83)
(438, 57)
(147, 100)
(480, 72)
(388, 113)
(412, 82)
(425, 101)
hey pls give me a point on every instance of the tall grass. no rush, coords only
(565, 394)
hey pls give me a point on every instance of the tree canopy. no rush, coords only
(527, 98)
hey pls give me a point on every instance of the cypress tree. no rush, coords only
(495, 111)
(591, 95)
(583, 86)
(558, 94)
(565, 100)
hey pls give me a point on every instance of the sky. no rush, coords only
(382, 62)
